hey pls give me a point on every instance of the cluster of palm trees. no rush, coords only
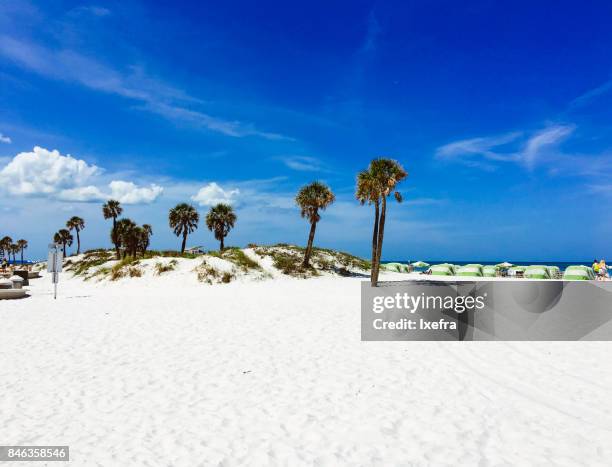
(8, 248)
(128, 237)
(375, 185)
(184, 218)
(64, 236)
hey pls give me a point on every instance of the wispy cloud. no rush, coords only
(5, 139)
(538, 147)
(94, 10)
(591, 95)
(372, 32)
(303, 163)
(605, 189)
(155, 95)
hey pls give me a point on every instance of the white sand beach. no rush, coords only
(168, 371)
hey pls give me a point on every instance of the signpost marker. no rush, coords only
(54, 265)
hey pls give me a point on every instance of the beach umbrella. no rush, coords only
(505, 264)
(420, 264)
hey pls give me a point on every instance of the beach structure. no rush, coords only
(195, 250)
(443, 269)
(470, 270)
(579, 273)
(516, 271)
(396, 267)
(12, 288)
(489, 271)
(419, 264)
(537, 272)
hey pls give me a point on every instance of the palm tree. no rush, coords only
(374, 186)
(14, 249)
(183, 219)
(5, 244)
(22, 245)
(77, 224)
(145, 238)
(220, 220)
(64, 237)
(111, 210)
(312, 198)
(124, 235)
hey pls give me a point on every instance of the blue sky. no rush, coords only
(500, 113)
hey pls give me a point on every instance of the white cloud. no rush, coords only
(44, 172)
(5, 139)
(540, 147)
(91, 10)
(154, 95)
(50, 174)
(130, 193)
(303, 163)
(84, 193)
(212, 194)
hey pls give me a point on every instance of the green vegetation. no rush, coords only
(289, 260)
(127, 267)
(238, 257)
(91, 259)
(161, 268)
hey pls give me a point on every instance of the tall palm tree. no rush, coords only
(111, 210)
(374, 186)
(22, 245)
(77, 224)
(220, 220)
(64, 237)
(183, 219)
(311, 199)
(5, 244)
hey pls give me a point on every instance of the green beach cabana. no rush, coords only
(578, 273)
(395, 267)
(537, 272)
(442, 270)
(489, 271)
(470, 270)
(504, 265)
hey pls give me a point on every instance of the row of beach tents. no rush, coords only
(478, 270)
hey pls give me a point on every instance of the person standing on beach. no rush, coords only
(603, 270)
(595, 266)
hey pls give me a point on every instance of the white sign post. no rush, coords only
(54, 265)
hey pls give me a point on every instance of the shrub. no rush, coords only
(227, 277)
(161, 268)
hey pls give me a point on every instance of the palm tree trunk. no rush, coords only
(184, 241)
(22, 256)
(373, 273)
(78, 241)
(306, 263)
(222, 246)
(64, 249)
(381, 234)
(117, 252)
